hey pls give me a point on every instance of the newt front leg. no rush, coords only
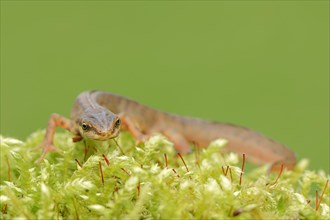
(132, 128)
(47, 144)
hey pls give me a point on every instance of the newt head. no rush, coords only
(98, 124)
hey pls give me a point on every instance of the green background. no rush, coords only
(264, 65)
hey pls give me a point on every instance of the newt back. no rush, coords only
(144, 121)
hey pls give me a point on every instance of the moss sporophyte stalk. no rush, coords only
(94, 179)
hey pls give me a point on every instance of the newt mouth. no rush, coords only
(103, 136)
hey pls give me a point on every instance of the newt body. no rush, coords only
(98, 115)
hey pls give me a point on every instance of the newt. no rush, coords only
(99, 115)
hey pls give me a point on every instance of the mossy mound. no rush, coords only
(137, 182)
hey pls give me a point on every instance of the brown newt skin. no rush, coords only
(98, 115)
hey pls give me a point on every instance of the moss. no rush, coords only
(138, 185)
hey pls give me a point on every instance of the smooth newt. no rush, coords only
(99, 115)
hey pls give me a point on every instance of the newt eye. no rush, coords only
(84, 126)
(117, 123)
